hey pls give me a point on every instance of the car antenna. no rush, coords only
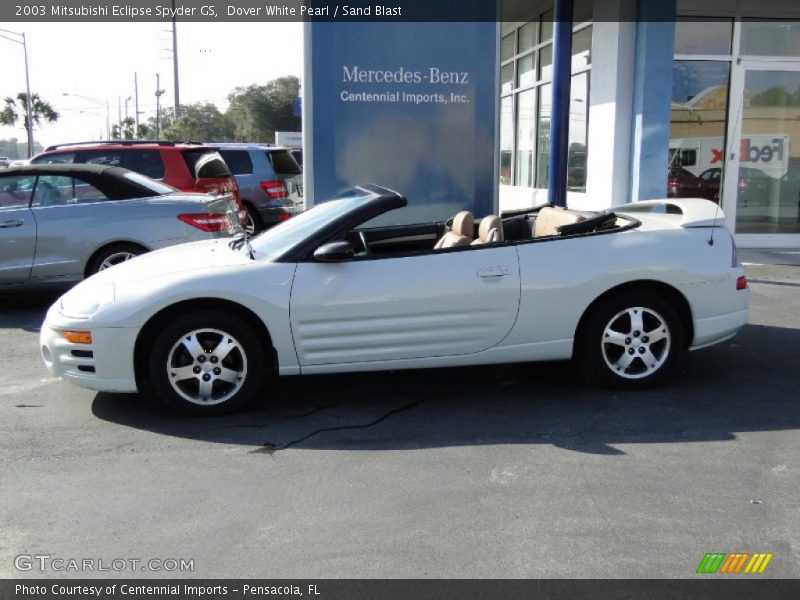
(724, 173)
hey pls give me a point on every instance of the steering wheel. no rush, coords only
(363, 239)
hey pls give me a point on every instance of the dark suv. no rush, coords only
(270, 181)
(186, 166)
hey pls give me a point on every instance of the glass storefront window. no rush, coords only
(578, 131)
(697, 128)
(526, 98)
(507, 78)
(506, 139)
(507, 46)
(768, 190)
(543, 149)
(546, 62)
(770, 38)
(703, 36)
(582, 49)
(527, 36)
(526, 128)
(527, 74)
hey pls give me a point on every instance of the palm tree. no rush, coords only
(16, 107)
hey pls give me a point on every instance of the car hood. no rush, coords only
(172, 261)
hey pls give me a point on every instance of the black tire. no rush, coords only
(634, 360)
(243, 355)
(254, 217)
(120, 250)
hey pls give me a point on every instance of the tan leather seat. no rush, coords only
(460, 234)
(489, 231)
(550, 218)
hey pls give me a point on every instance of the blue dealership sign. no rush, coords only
(411, 106)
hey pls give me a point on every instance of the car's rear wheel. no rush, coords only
(254, 222)
(113, 255)
(206, 362)
(631, 340)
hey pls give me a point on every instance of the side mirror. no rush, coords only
(334, 252)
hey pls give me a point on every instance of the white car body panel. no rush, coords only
(440, 304)
(511, 302)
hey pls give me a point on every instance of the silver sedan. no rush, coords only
(61, 223)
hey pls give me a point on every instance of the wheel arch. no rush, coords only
(105, 246)
(669, 293)
(150, 330)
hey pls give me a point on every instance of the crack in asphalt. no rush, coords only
(270, 448)
(291, 418)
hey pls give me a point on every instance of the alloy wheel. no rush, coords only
(206, 366)
(636, 342)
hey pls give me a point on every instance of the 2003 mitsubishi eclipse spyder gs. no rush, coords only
(201, 325)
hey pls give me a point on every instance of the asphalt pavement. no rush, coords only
(509, 471)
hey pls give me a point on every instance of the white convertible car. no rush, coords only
(202, 325)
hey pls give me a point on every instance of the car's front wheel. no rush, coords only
(206, 362)
(631, 340)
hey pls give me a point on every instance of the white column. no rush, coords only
(610, 106)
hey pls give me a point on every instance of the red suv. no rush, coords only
(186, 166)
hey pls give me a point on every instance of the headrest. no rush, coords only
(487, 224)
(464, 224)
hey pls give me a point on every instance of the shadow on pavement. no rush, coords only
(26, 311)
(747, 384)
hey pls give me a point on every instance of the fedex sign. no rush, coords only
(763, 152)
(766, 152)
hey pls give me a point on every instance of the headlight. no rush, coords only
(82, 302)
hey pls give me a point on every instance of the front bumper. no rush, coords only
(105, 365)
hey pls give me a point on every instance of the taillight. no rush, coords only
(283, 216)
(275, 189)
(206, 221)
(741, 283)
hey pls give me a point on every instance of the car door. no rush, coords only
(73, 218)
(438, 304)
(17, 228)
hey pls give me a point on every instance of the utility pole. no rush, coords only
(136, 94)
(175, 61)
(159, 93)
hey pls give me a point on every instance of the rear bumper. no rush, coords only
(105, 365)
(714, 330)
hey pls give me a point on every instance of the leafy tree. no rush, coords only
(776, 96)
(17, 107)
(258, 111)
(124, 130)
(143, 131)
(200, 122)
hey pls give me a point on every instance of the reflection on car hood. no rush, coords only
(203, 255)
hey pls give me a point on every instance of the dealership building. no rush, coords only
(665, 98)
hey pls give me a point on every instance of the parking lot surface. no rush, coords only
(508, 471)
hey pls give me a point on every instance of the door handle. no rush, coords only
(10, 224)
(494, 271)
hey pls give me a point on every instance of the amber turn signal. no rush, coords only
(77, 337)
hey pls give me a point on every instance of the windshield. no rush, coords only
(151, 184)
(276, 241)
